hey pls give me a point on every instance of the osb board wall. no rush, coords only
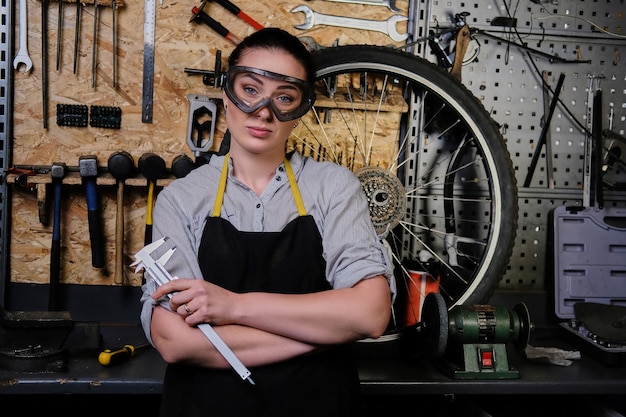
(179, 44)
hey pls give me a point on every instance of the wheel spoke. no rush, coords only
(421, 144)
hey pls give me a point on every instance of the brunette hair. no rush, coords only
(276, 38)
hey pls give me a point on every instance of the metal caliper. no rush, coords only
(156, 269)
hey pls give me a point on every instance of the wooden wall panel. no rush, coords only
(179, 44)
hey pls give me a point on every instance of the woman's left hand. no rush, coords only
(198, 301)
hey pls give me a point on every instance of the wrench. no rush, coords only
(22, 57)
(391, 4)
(387, 27)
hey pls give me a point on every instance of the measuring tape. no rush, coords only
(148, 60)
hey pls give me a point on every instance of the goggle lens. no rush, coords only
(251, 89)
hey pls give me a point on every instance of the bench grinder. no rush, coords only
(470, 341)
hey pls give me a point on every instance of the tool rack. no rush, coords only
(504, 78)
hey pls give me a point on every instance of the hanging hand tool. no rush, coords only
(94, 50)
(463, 38)
(544, 130)
(22, 57)
(593, 194)
(597, 157)
(391, 4)
(213, 78)
(122, 166)
(57, 172)
(388, 27)
(546, 109)
(148, 61)
(237, 12)
(593, 128)
(114, 31)
(44, 61)
(182, 165)
(59, 32)
(152, 166)
(200, 16)
(77, 34)
(88, 169)
(201, 125)
(109, 357)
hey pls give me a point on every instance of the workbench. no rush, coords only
(143, 374)
(387, 381)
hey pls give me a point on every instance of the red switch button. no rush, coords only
(486, 358)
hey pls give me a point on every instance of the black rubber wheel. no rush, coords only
(410, 119)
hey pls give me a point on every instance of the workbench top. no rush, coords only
(380, 375)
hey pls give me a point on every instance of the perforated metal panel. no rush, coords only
(583, 40)
(6, 77)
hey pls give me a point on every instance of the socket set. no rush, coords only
(608, 352)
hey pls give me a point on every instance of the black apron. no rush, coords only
(322, 384)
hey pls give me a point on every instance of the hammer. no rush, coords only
(182, 165)
(57, 172)
(152, 166)
(88, 169)
(122, 166)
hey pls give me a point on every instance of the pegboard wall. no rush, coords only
(6, 46)
(521, 44)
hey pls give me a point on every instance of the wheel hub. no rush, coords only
(385, 196)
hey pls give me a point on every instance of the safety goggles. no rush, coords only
(251, 89)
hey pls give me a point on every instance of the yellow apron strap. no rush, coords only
(294, 189)
(219, 198)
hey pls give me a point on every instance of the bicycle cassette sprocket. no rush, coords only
(385, 195)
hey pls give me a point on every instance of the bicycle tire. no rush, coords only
(484, 213)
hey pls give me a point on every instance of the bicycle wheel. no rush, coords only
(434, 166)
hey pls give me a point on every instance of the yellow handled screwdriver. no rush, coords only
(110, 357)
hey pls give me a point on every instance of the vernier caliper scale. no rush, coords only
(144, 260)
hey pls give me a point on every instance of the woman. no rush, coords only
(278, 255)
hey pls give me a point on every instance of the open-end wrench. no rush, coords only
(388, 27)
(22, 57)
(391, 4)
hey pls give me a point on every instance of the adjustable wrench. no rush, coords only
(22, 57)
(387, 27)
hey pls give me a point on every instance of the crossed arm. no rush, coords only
(263, 328)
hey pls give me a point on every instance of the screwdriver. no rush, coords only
(110, 357)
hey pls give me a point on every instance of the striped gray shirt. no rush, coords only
(331, 193)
